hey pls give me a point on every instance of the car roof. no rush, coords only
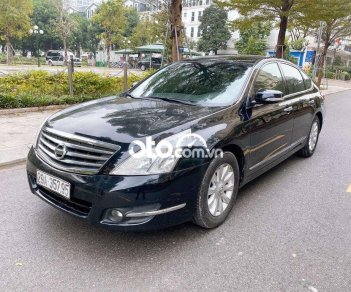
(250, 59)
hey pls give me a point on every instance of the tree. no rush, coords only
(79, 37)
(175, 19)
(44, 15)
(93, 37)
(253, 40)
(132, 19)
(336, 15)
(65, 25)
(269, 10)
(111, 17)
(215, 32)
(14, 22)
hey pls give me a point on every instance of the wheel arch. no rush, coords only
(319, 115)
(240, 157)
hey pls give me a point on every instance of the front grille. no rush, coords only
(75, 153)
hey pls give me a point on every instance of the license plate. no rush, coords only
(54, 184)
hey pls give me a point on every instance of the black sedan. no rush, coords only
(154, 63)
(177, 146)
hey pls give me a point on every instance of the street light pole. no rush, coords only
(125, 65)
(36, 31)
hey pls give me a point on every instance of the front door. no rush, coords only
(270, 125)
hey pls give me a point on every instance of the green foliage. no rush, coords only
(14, 21)
(298, 44)
(253, 39)
(111, 18)
(132, 18)
(44, 15)
(277, 11)
(79, 36)
(215, 32)
(41, 88)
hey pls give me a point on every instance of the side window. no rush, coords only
(269, 77)
(293, 79)
(307, 79)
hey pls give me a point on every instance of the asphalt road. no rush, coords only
(289, 231)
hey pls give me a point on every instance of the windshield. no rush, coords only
(211, 83)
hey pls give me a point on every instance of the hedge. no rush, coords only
(41, 88)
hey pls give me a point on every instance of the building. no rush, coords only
(86, 7)
(143, 5)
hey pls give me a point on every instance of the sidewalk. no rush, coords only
(6, 69)
(336, 86)
(18, 130)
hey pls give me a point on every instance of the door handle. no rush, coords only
(288, 109)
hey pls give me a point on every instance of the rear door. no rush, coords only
(301, 98)
(270, 125)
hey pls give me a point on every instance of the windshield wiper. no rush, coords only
(171, 100)
(130, 95)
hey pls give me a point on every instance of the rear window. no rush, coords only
(293, 77)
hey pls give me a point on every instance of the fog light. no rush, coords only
(114, 216)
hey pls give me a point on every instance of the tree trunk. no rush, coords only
(65, 50)
(281, 37)
(321, 64)
(176, 28)
(108, 54)
(78, 52)
(9, 51)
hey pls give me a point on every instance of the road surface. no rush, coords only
(289, 231)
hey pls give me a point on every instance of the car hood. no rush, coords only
(121, 119)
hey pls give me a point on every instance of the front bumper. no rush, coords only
(146, 202)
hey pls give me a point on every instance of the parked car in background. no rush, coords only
(256, 111)
(146, 64)
(56, 53)
(59, 61)
(51, 54)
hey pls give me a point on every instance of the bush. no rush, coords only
(41, 88)
(20, 60)
(330, 75)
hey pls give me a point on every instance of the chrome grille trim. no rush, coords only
(83, 155)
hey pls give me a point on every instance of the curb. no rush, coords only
(32, 109)
(345, 89)
(13, 162)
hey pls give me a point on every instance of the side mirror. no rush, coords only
(269, 96)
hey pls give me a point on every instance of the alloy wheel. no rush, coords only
(313, 136)
(221, 189)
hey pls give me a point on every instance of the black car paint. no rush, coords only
(261, 136)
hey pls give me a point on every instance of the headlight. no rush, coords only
(157, 159)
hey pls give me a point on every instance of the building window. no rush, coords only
(200, 2)
(192, 32)
(198, 32)
(193, 16)
(185, 15)
(207, 2)
(199, 16)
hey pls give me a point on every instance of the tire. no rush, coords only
(207, 215)
(142, 67)
(312, 141)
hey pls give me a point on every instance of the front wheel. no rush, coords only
(143, 68)
(218, 191)
(312, 140)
